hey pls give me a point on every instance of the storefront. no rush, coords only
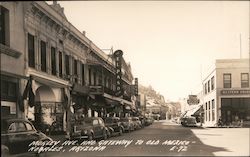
(9, 96)
(235, 110)
(48, 113)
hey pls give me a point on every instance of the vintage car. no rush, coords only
(16, 135)
(137, 122)
(149, 121)
(89, 128)
(189, 121)
(127, 123)
(115, 125)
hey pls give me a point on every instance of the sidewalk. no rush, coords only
(235, 140)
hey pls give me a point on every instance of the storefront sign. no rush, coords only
(118, 66)
(236, 92)
(193, 100)
(95, 89)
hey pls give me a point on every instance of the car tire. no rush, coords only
(105, 135)
(120, 131)
(90, 137)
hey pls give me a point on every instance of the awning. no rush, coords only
(193, 111)
(80, 89)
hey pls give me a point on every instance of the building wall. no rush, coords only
(12, 53)
(233, 66)
(210, 115)
(16, 39)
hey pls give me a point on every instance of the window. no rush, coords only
(12, 127)
(94, 75)
(4, 26)
(43, 56)
(67, 64)
(60, 64)
(208, 86)
(83, 80)
(213, 110)
(8, 90)
(90, 77)
(53, 61)
(20, 127)
(95, 122)
(31, 51)
(209, 111)
(205, 88)
(28, 126)
(227, 80)
(244, 80)
(212, 83)
(75, 70)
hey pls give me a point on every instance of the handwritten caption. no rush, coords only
(76, 146)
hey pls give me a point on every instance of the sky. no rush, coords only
(169, 44)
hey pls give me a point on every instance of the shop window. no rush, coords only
(212, 83)
(60, 63)
(4, 26)
(227, 80)
(67, 64)
(8, 90)
(31, 51)
(43, 57)
(53, 61)
(244, 80)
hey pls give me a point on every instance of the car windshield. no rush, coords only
(109, 120)
(87, 122)
(124, 120)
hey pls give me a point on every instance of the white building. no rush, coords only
(227, 93)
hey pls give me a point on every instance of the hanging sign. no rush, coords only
(118, 67)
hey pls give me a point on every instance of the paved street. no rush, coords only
(159, 139)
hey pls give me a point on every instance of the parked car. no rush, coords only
(89, 128)
(114, 125)
(188, 121)
(128, 124)
(16, 135)
(149, 121)
(137, 122)
(143, 120)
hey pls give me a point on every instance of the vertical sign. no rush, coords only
(118, 67)
(136, 86)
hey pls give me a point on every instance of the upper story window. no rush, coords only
(208, 86)
(31, 51)
(4, 26)
(53, 61)
(67, 64)
(227, 80)
(75, 70)
(43, 56)
(212, 83)
(244, 80)
(83, 80)
(60, 63)
(205, 88)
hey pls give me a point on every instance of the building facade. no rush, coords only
(54, 72)
(227, 93)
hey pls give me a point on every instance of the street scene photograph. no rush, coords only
(125, 78)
